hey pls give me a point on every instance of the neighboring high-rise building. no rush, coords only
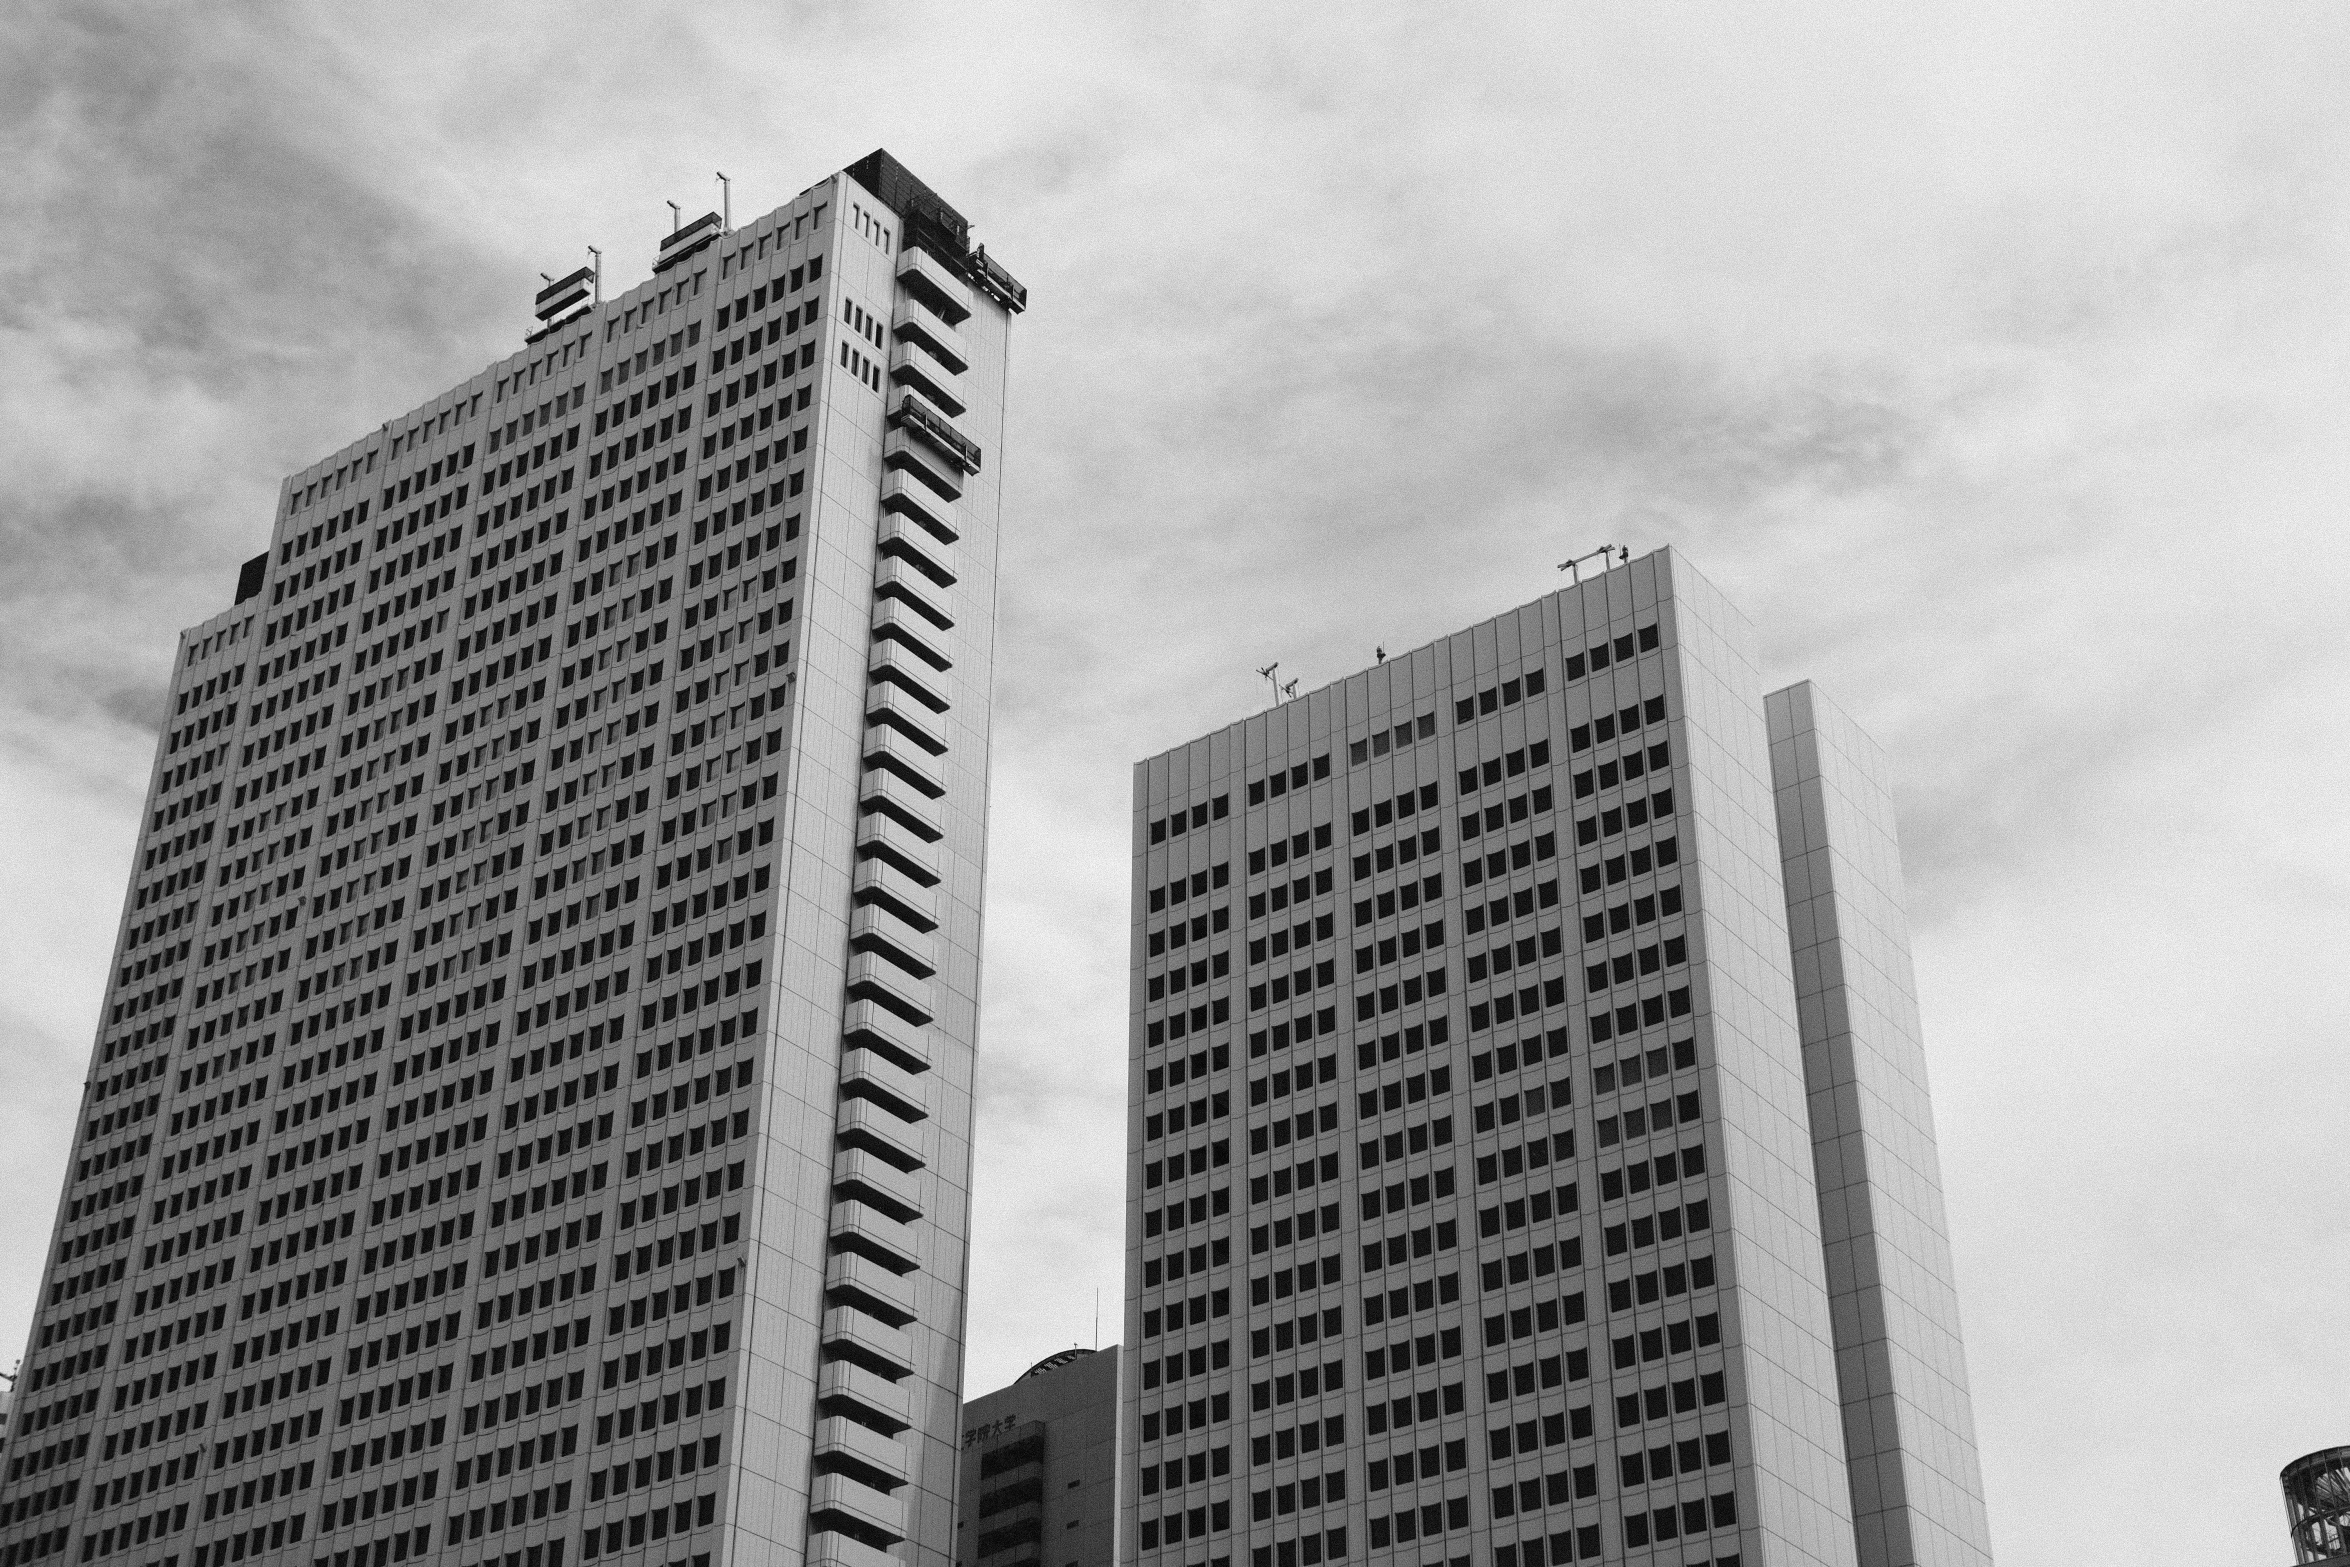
(1041, 1461)
(1506, 1188)
(530, 1122)
(1909, 1430)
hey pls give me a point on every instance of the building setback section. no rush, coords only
(1041, 1465)
(1474, 1212)
(530, 1122)
(1917, 1492)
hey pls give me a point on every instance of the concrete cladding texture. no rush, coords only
(1917, 1492)
(1476, 1204)
(531, 1120)
(1041, 1466)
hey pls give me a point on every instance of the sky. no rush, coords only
(1994, 357)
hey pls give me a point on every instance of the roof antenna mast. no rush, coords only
(725, 204)
(675, 219)
(598, 264)
(1601, 554)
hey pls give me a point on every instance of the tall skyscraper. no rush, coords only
(530, 1123)
(1509, 1187)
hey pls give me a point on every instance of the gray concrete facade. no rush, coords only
(1042, 1464)
(1475, 1212)
(1917, 1489)
(531, 1119)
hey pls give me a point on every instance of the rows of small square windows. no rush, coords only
(630, 405)
(1607, 726)
(1200, 1159)
(1262, 1090)
(1518, 758)
(1198, 816)
(1311, 1328)
(1197, 928)
(1563, 1547)
(1213, 1204)
(1404, 1195)
(763, 297)
(1196, 1414)
(1196, 885)
(1407, 943)
(1604, 1077)
(303, 542)
(1302, 935)
(1688, 1457)
(629, 320)
(1283, 779)
(1216, 1462)
(1511, 765)
(1280, 781)
(1310, 1492)
(1280, 1182)
(1405, 1300)
(1507, 693)
(1424, 1464)
(424, 478)
(1181, 1365)
(1174, 1073)
(1493, 698)
(1390, 1047)
(1293, 1229)
(1215, 1518)
(513, 430)
(1290, 1441)
(1431, 1404)
(1600, 654)
(1637, 1120)
(1510, 692)
(1581, 1422)
(1272, 785)
(1396, 739)
(1282, 894)
(1405, 804)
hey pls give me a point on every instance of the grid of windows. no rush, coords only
(1431, 977)
(437, 1054)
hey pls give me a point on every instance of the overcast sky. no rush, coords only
(1993, 356)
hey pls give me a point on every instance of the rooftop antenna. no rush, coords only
(1382, 652)
(1272, 677)
(1097, 1317)
(674, 216)
(725, 204)
(1600, 554)
(1289, 690)
(598, 264)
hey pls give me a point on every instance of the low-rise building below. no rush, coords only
(1041, 1458)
